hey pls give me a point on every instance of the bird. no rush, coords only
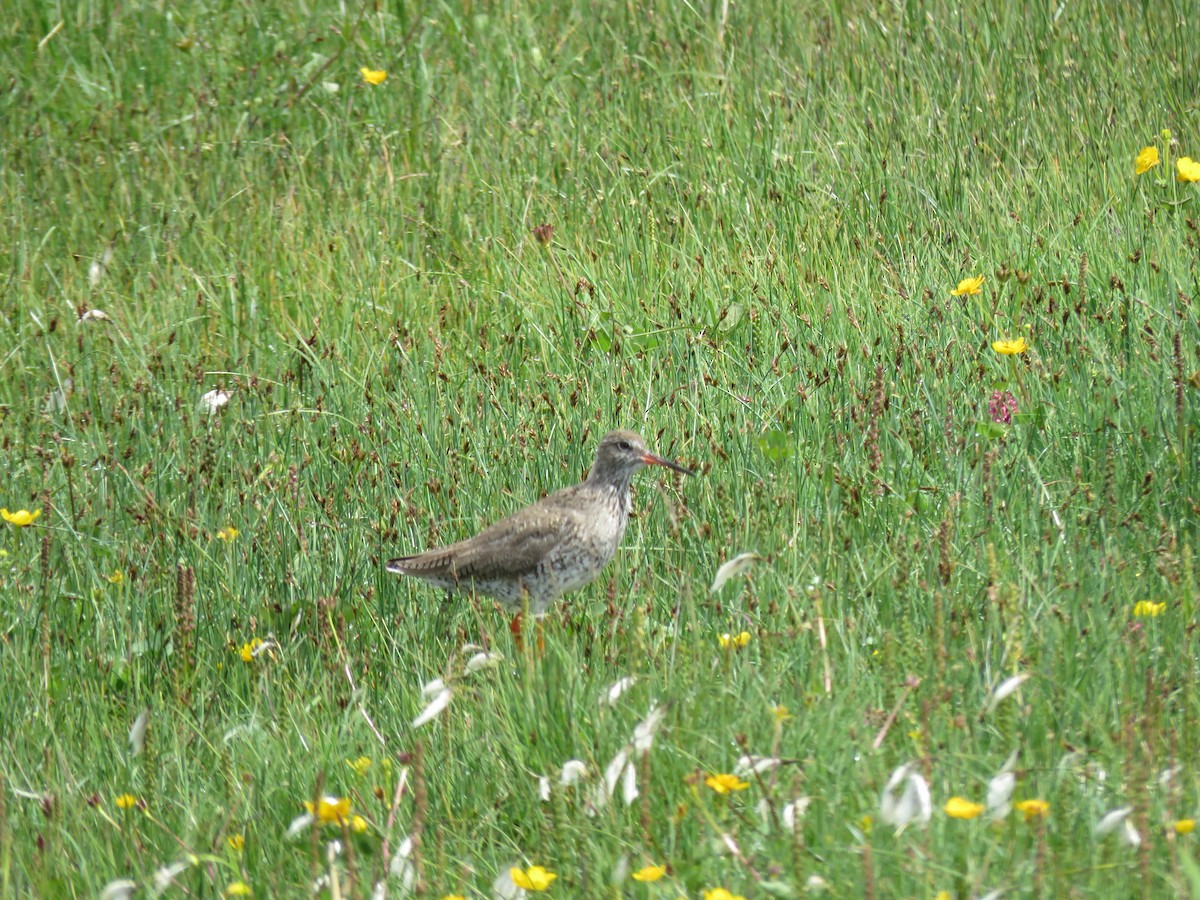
(556, 545)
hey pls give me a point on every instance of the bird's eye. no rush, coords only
(624, 445)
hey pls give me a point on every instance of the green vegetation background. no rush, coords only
(758, 213)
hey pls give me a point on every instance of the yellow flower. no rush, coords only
(535, 878)
(247, 651)
(1148, 609)
(373, 76)
(236, 842)
(360, 765)
(126, 801)
(1185, 826)
(781, 714)
(721, 894)
(650, 873)
(1031, 809)
(962, 808)
(865, 824)
(968, 287)
(454, 897)
(330, 810)
(1010, 346)
(1187, 169)
(21, 517)
(238, 889)
(736, 641)
(358, 824)
(227, 534)
(117, 577)
(1146, 160)
(942, 895)
(723, 784)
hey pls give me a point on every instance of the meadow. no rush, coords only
(291, 288)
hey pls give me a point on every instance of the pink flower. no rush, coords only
(1002, 406)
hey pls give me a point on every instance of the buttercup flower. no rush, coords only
(1148, 609)
(721, 894)
(968, 287)
(247, 650)
(358, 824)
(126, 801)
(227, 534)
(1031, 809)
(1185, 826)
(238, 889)
(736, 641)
(329, 809)
(1010, 346)
(1146, 160)
(535, 878)
(962, 808)
(725, 783)
(21, 517)
(117, 577)
(650, 873)
(1187, 169)
(236, 842)
(373, 76)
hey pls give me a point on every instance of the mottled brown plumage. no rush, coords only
(556, 545)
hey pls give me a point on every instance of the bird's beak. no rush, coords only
(651, 460)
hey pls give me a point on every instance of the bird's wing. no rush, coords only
(513, 546)
(506, 549)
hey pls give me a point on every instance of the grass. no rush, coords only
(758, 214)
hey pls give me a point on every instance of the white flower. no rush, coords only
(332, 851)
(298, 825)
(794, 810)
(629, 788)
(1005, 689)
(544, 788)
(121, 889)
(164, 877)
(483, 660)
(504, 888)
(402, 868)
(1111, 821)
(616, 689)
(1130, 836)
(913, 805)
(212, 402)
(614, 771)
(756, 765)
(137, 734)
(999, 795)
(435, 708)
(99, 266)
(733, 567)
(93, 315)
(815, 884)
(572, 771)
(643, 734)
(432, 688)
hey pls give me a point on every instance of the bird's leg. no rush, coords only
(517, 625)
(444, 612)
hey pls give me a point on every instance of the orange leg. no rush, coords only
(517, 627)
